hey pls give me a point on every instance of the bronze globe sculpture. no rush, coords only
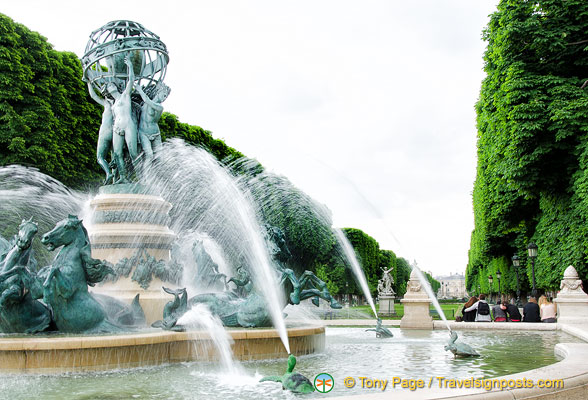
(103, 59)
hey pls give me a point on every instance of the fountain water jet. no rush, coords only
(208, 199)
(355, 267)
(426, 285)
(200, 316)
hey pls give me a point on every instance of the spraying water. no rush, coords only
(425, 283)
(355, 267)
(207, 199)
(26, 192)
(200, 317)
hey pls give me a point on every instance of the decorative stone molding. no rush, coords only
(571, 301)
(416, 305)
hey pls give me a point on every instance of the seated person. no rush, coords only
(499, 313)
(512, 311)
(547, 309)
(531, 311)
(482, 310)
(469, 316)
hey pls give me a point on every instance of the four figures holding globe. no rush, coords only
(125, 64)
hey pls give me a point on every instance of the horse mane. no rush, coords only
(95, 270)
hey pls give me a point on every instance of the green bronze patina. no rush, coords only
(65, 286)
(292, 381)
(460, 349)
(173, 310)
(20, 311)
(381, 331)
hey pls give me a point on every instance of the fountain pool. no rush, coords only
(349, 352)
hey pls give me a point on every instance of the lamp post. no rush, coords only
(516, 262)
(532, 248)
(490, 280)
(498, 275)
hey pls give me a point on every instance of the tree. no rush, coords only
(532, 118)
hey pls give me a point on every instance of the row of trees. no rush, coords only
(47, 120)
(532, 118)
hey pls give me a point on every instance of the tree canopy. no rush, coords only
(532, 119)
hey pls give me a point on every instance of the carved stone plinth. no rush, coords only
(386, 306)
(127, 225)
(416, 305)
(571, 301)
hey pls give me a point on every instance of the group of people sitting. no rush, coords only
(478, 310)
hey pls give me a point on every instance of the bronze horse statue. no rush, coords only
(66, 281)
(20, 312)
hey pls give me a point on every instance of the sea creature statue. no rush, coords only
(248, 312)
(308, 286)
(20, 311)
(292, 381)
(173, 310)
(381, 331)
(207, 274)
(128, 316)
(65, 286)
(460, 349)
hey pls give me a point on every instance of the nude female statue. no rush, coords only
(151, 111)
(124, 129)
(104, 134)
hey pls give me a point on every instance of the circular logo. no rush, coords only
(324, 383)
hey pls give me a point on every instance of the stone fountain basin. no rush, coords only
(58, 354)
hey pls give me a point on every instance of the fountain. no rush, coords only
(118, 264)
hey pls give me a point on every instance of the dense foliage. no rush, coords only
(48, 120)
(532, 173)
(46, 117)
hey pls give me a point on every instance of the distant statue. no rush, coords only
(460, 349)
(65, 287)
(124, 128)
(149, 134)
(385, 284)
(20, 311)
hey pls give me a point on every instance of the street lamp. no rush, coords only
(516, 262)
(498, 275)
(490, 280)
(532, 248)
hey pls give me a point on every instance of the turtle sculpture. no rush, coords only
(292, 381)
(381, 331)
(460, 349)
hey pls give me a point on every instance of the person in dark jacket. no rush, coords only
(469, 316)
(498, 312)
(512, 311)
(531, 312)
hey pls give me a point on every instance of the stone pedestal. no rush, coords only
(571, 301)
(123, 225)
(386, 306)
(416, 305)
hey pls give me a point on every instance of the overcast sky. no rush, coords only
(368, 106)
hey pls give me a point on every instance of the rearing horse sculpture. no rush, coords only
(65, 288)
(20, 312)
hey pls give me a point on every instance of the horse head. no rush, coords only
(26, 232)
(64, 233)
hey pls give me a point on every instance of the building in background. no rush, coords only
(452, 286)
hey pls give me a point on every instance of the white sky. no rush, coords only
(367, 106)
